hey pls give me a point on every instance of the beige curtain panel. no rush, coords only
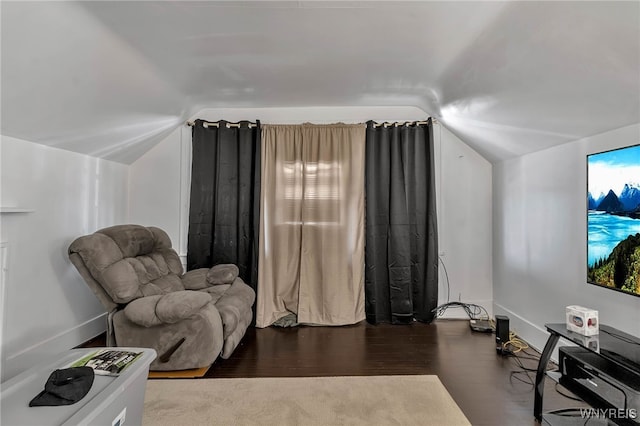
(311, 258)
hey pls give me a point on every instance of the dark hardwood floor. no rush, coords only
(478, 379)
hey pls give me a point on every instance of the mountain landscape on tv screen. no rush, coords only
(614, 238)
(627, 204)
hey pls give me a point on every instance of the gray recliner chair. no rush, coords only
(188, 318)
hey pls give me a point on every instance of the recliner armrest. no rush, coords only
(225, 273)
(195, 279)
(234, 304)
(167, 308)
(198, 279)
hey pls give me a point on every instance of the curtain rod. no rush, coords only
(251, 124)
(206, 124)
(403, 123)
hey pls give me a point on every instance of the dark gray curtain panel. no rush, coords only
(401, 246)
(224, 218)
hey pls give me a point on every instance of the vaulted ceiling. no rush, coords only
(112, 78)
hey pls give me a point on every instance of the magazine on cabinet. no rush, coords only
(108, 362)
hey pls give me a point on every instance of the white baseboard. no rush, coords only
(22, 360)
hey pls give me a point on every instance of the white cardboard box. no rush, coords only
(582, 320)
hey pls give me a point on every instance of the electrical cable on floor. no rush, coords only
(515, 343)
(515, 374)
(530, 357)
(475, 312)
(517, 348)
(526, 370)
(472, 310)
(521, 348)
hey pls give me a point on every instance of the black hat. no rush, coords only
(64, 387)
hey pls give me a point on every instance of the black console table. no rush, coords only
(610, 344)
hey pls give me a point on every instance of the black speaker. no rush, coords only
(502, 333)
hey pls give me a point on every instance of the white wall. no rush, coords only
(539, 240)
(464, 222)
(159, 191)
(47, 306)
(155, 188)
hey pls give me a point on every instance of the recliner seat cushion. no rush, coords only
(166, 309)
(179, 305)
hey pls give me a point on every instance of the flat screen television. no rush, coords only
(613, 219)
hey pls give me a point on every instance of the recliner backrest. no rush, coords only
(128, 262)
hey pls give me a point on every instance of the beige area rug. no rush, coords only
(356, 400)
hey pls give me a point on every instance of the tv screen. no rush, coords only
(613, 219)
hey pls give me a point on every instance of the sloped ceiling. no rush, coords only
(111, 79)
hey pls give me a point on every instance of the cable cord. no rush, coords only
(475, 312)
(471, 309)
(517, 349)
(515, 374)
(446, 274)
(516, 344)
(521, 347)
